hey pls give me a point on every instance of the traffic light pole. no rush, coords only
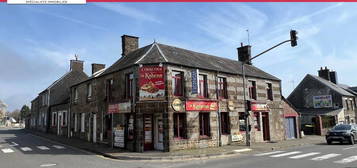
(246, 112)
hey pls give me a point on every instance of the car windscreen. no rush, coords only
(342, 127)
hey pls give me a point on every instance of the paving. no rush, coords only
(190, 154)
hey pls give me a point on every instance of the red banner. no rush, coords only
(256, 107)
(201, 106)
(151, 82)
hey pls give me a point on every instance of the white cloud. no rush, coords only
(128, 11)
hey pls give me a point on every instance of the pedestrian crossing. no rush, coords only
(313, 156)
(12, 146)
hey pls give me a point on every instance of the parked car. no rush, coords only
(342, 133)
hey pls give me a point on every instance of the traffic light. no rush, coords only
(293, 38)
(248, 105)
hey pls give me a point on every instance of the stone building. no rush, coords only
(49, 110)
(291, 120)
(161, 97)
(322, 102)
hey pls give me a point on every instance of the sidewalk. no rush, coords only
(206, 153)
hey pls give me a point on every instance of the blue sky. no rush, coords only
(37, 41)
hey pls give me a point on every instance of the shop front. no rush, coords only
(261, 128)
(121, 124)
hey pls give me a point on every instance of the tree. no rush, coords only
(3, 109)
(25, 111)
(15, 114)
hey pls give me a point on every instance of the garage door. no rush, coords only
(290, 128)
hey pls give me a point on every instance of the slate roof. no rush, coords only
(348, 89)
(331, 85)
(60, 89)
(322, 111)
(354, 88)
(161, 53)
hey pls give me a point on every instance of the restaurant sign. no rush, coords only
(151, 82)
(119, 108)
(256, 107)
(201, 106)
(178, 105)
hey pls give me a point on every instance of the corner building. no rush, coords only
(161, 97)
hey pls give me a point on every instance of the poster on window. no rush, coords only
(119, 137)
(322, 101)
(151, 82)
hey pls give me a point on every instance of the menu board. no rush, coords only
(119, 137)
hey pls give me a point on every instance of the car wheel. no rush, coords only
(352, 140)
(329, 142)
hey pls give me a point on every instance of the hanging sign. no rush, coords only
(178, 105)
(194, 78)
(256, 107)
(201, 106)
(151, 83)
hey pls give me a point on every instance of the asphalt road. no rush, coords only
(19, 149)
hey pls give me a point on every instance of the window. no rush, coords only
(222, 88)
(180, 126)
(54, 119)
(177, 83)
(252, 90)
(205, 130)
(64, 118)
(75, 122)
(347, 106)
(44, 99)
(109, 87)
(269, 90)
(82, 121)
(352, 105)
(203, 89)
(75, 95)
(257, 121)
(241, 121)
(225, 123)
(129, 85)
(89, 91)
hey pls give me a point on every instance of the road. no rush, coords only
(19, 149)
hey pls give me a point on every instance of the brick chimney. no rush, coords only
(97, 67)
(129, 44)
(244, 53)
(76, 65)
(333, 77)
(324, 73)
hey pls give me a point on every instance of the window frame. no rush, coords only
(252, 89)
(241, 114)
(203, 84)
(76, 96)
(109, 89)
(83, 115)
(269, 91)
(181, 83)
(225, 123)
(129, 85)
(222, 88)
(205, 125)
(89, 91)
(178, 120)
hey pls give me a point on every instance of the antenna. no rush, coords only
(248, 36)
(76, 56)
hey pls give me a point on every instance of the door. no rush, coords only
(59, 123)
(148, 138)
(265, 120)
(94, 128)
(158, 132)
(290, 127)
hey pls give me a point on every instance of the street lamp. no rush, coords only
(246, 54)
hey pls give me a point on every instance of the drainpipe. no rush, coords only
(218, 112)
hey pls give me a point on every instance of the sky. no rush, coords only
(37, 41)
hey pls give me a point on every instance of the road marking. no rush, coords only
(13, 144)
(26, 149)
(349, 148)
(304, 155)
(242, 150)
(286, 154)
(347, 160)
(269, 153)
(7, 150)
(48, 165)
(324, 157)
(58, 147)
(43, 148)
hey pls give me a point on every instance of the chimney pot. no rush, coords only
(129, 44)
(76, 65)
(325, 73)
(244, 54)
(97, 67)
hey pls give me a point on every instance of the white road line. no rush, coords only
(269, 153)
(286, 154)
(304, 155)
(347, 160)
(58, 147)
(43, 148)
(324, 157)
(13, 144)
(26, 149)
(48, 165)
(349, 148)
(242, 150)
(7, 150)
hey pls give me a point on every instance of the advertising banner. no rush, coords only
(322, 101)
(113, 108)
(194, 77)
(151, 83)
(201, 106)
(119, 108)
(256, 107)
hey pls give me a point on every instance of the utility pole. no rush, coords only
(245, 53)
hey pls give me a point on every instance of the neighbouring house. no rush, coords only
(49, 110)
(161, 97)
(323, 103)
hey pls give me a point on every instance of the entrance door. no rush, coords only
(148, 138)
(290, 127)
(158, 132)
(265, 120)
(94, 128)
(59, 123)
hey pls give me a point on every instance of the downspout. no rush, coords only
(218, 112)
(69, 115)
